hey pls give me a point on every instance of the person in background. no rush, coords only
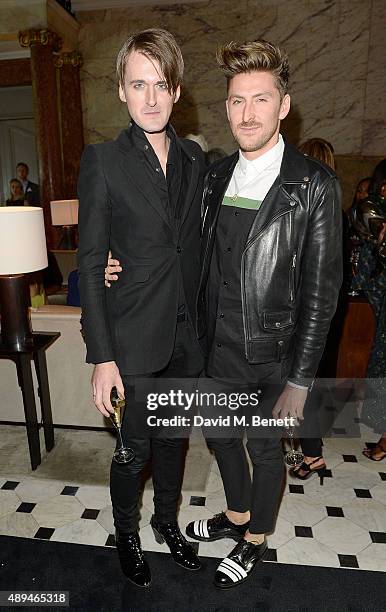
(370, 278)
(200, 140)
(73, 295)
(214, 155)
(362, 190)
(16, 197)
(45, 282)
(31, 190)
(312, 448)
(319, 149)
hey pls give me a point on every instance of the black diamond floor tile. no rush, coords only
(10, 485)
(197, 501)
(350, 458)
(378, 537)
(296, 488)
(334, 511)
(382, 475)
(90, 513)
(271, 555)
(348, 561)
(195, 546)
(44, 533)
(362, 493)
(25, 507)
(69, 490)
(303, 532)
(110, 540)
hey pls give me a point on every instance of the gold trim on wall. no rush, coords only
(30, 37)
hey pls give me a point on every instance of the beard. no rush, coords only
(255, 142)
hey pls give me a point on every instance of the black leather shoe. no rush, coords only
(238, 565)
(133, 562)
(215, 528)
(180, 549)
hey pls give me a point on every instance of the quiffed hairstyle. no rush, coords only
(158, 45)
(258, 55)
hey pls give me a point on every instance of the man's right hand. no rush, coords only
(113, 266)
(105, 377)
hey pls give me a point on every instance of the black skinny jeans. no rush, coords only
(167, 454)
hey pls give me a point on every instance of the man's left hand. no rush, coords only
(290, 403)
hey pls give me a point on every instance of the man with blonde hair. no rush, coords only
(140, 196)
(270, 279)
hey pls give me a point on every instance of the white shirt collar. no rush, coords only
(264, 161)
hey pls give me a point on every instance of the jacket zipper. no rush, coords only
(292, 277)
(242, 274)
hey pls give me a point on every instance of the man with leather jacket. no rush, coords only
(270, 278)
(271, 273)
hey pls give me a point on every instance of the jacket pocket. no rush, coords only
(277, 320)
(135, 274)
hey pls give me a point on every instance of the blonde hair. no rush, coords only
(258, 55)
(155, 44)
(320, 149)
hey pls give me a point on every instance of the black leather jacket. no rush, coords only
(291, 266)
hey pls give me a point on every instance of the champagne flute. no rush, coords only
(123, 454)
(293, 457)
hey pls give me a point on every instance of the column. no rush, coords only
(68, 65)
(43, 44)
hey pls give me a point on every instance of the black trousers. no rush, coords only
(261, 494)
(168, 454)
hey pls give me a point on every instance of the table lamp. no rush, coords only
(22, 249)
(65, 214)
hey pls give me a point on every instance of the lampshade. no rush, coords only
(64, 212)
(22, 239)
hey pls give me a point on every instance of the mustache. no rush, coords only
(249, 124)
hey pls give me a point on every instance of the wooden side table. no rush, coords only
(37, 351)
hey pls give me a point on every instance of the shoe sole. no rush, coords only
(141, 586)
(191, 569)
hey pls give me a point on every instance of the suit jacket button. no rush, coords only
(193, 158)
(179, 249)
(209, 191)
(214, 174)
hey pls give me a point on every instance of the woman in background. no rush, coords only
(16, 197)
(312, 447)
(369, 220)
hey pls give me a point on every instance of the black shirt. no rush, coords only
(171, 189)
(227, 358)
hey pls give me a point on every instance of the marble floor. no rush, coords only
(339, 524)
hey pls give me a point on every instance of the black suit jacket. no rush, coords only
(32, 194)
(133, 322)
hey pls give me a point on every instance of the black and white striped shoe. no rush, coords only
(238, 565)
(216, 528)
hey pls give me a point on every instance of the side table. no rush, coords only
(22, 357)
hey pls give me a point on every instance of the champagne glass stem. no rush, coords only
(120, 437)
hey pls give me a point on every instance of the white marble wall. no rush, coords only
(337, 52)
